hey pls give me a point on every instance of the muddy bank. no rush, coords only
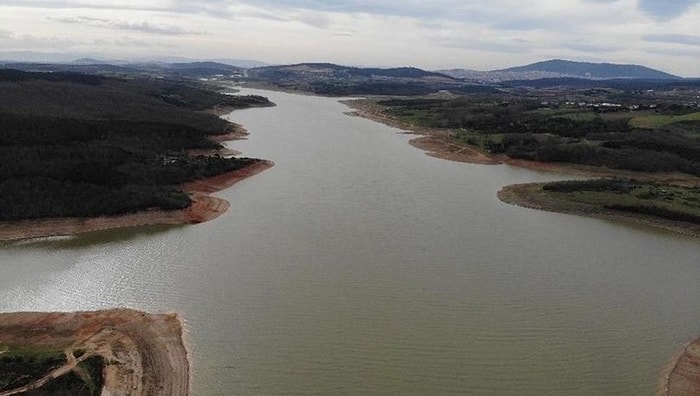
(145, 352)
(531, 195)
(438, 143)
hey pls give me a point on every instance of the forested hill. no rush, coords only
(77, 145)
(592, 70)
(331, 79)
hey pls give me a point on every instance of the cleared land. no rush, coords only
(137, 353)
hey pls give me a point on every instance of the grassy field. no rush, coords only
(671, 202)
(659, 120)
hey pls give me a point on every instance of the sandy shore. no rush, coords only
(145, 352)
(530, 195)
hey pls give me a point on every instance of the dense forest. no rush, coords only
(80, 145)
(663, 139)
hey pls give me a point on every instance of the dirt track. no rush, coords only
(146, 353)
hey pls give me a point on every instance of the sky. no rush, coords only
(439, 34)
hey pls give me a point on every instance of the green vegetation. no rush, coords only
(627, 195)
(78, 146)
(655, 121)
(527, 128)
(21, 366)
(74, 384)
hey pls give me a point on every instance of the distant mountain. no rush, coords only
(593, 70)
(337, 80)
(90, 61)
(244, 63)
(558, 68)
(202, 69)
(327, 72)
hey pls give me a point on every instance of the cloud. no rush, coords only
(665, 10)
(673, 39)
(30, 41)
(146, 27)
(5, 34)
(590, 47)
(509, 46)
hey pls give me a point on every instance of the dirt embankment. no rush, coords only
(204, 207)
(531, 195)
(682, 376)
(144, 354)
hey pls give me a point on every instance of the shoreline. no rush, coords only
(144, 354)
(439, 143)
(204, 208)
(529, 195)
(681, 375)
(435, 142)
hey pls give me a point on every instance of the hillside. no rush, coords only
(331, 79)
(558, 68)
(75, 145)
(592, 70)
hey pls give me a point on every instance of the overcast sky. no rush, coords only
(480, 35)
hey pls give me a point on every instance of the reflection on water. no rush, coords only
(360, 265)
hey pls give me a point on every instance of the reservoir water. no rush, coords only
(359, 265)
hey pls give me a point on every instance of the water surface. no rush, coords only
(360, 265)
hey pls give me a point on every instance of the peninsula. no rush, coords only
(645, 142)
(82, 153)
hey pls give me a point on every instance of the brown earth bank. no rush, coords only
(531, 195)
(203, 208)
(143, 353)
(682, 376)
(438, 143)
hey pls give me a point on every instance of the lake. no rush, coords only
(358, 264)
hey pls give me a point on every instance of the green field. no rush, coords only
(660, 200)
(659, 120)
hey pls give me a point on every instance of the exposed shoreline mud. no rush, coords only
(682, 376)
(144, 353)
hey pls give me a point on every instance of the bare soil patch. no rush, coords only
(682, 376)
(144, 353)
